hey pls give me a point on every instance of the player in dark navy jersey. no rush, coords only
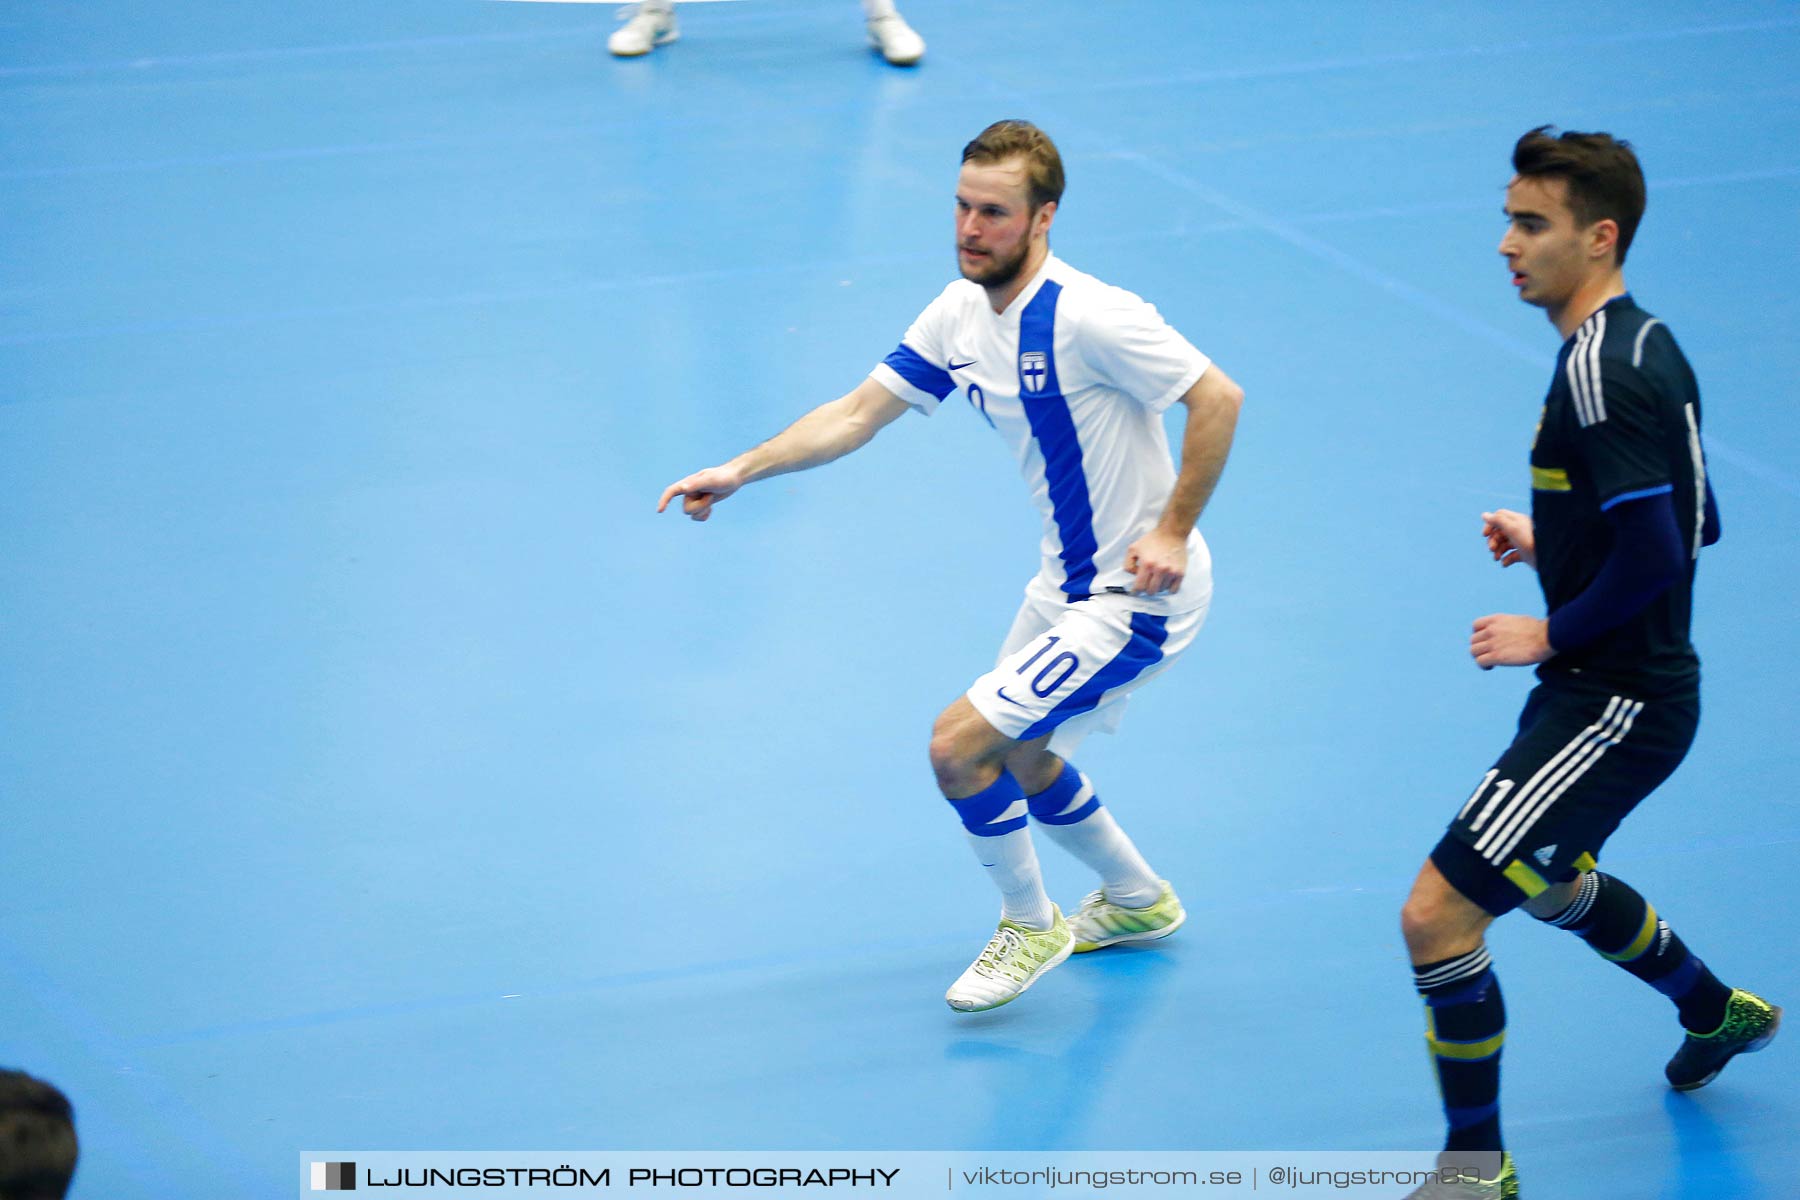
(1620, 437)
(1620, 510)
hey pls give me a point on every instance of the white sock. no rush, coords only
(1012, 864)
(1098, 841)
(877, 8)
(664, 7)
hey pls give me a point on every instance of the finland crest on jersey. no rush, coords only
(1075, 376)
(1033, 370)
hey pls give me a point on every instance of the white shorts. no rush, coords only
(1069, 668)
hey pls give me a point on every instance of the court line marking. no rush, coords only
(328, 50)
(778, 962)
(748, 966)
(1243, 220)
(158, 1109)
(1403, 57)
(1272, 70)
(1750, 464)
(285, 53)
(585, 133)
(1287, 231)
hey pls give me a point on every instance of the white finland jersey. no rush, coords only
(1075, 376)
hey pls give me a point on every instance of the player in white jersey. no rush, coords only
(1075, 376)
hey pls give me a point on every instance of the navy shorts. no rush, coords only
(1581, 761)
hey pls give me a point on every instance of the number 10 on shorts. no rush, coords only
(1054, 673)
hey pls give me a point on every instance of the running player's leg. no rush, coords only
(1132, 904)
(1579, 763)
(1608, 914)
(1625, 751)
(1065, 805)
(1465, 1017)
(1472, 877)
(1071, 669)
(1720, 1022)
(1528, 836)
(1465, 1030)
(1061, 663)
(968, 756)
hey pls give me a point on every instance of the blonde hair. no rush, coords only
(1021, 139)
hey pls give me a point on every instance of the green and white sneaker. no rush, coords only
(1099, 922)
(1750, 1024)
(1014, 959)
(1469, 1180)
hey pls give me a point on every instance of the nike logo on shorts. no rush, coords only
(1001, 692)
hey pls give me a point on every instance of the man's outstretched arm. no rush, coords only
(828, 432)
(1159, 558)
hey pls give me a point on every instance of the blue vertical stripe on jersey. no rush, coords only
(911, 366)
(1141, 652)
(1054, 430)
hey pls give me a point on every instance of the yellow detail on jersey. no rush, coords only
(1549, 479)
(1526, 879)
(1586, 862)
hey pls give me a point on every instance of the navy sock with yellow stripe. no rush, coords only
(1622, 927)
(1465, 1028)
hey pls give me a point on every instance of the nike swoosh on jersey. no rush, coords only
(1001, 692)
(956, 366)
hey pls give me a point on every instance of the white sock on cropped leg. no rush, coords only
(1012, 863)
(1094, 838)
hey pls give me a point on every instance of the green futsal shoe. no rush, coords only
(1014, 959)
(1750, 1024)
(1099, 922)
(1470, 1181)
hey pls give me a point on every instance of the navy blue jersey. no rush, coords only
(1621, 423)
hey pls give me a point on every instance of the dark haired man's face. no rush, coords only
(1549, 251)
(995, 223)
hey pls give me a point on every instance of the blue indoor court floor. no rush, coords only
(377, 769)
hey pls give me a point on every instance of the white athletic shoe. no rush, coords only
(645, 29)
(1099, 922)
(1014, 959)
(896, 40)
